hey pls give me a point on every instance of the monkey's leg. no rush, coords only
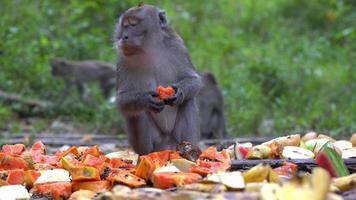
(68, 87)
(106, 87)
(187, 127)
(142, 131)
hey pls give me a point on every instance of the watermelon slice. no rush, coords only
(330, 160)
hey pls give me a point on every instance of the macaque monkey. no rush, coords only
(151, 54)
(211, 107)
(81, 72)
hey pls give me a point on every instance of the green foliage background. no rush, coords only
(292, 61)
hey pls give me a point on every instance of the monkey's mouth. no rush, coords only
(129, 49)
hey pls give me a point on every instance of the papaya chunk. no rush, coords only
(95, 186)
(16, 177)
(165, 92)
(30, 177)
(57, 190)
(8, 162)
(38, 147)
(85, 173)
(145, 168)
(69, 162)
(165, 180)
(16, 149)
(126, 178)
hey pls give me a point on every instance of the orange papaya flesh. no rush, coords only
(16, 149)
(126, 178)
(95, 186)
(85, 173)
(8, 162)
(57, 190)
(165, 180)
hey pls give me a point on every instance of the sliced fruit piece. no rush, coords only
(345, 183)
(124, 155)
(69, 162)
(292, 152)
(260, 173)
(207, 167)
(287, 170)
(182, 164)
(342, 144)
(95, 186)
(93, 150)
(353, 139)
(16, 177)
(126, 178)
(239, 151)
(259, 152)
(121, 164)
(233, 180)
(95, 161)
(165, 180)
(316, 145)
(322, 136)
(85, 173)
(82, 195)
(309, 136)
(72, 150)
(211, 154)
(57, 190)
(165, 92)
(8, 162)
(30, 177)
(167, 168)
(145, 168)
(349, 153)
(45, 159)
(16, 149)
(332, 162)
(208, 187)
(54, 175)
(39, 147)
(290, 140)
(14, 192)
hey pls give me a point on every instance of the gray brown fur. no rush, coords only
(81, 72)
(211, 107)
(151, 54)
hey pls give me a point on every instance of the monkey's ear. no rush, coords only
(211, 77)
(162, 19)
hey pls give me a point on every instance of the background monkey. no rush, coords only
(211, 108)
(82, 72)
(151, 54)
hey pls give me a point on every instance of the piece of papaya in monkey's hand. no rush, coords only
(165, 92)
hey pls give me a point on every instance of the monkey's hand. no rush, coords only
(152, 102)
(176, 99)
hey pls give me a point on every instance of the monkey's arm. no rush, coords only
(185, 88)
(132, 103)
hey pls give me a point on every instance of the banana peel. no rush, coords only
(205, 187)
(259, 152)
(315, 187)
(260, 173)
(345, 183)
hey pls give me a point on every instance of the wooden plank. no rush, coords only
(304, 164)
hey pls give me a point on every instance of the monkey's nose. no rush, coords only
(125, 38)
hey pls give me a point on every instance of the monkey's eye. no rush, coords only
(125, 23)
(133, 21)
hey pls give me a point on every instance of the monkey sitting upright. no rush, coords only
(211, 107)
(150, 54)
(81, 72)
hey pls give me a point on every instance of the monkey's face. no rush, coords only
(59, 67)
(138, 28)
